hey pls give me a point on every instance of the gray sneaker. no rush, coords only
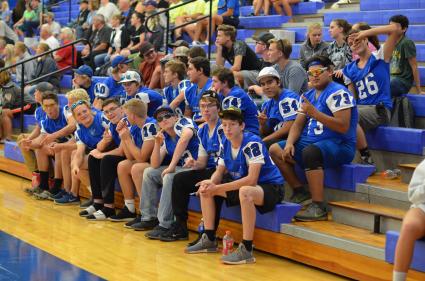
(45, 195)
(312, 213)
(302, 198)
(204, 245)
(240, 256)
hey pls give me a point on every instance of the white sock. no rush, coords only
(399, 276)
(130, 205)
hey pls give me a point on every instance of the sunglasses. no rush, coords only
(317, 72)
(75, 104)
(164, 117)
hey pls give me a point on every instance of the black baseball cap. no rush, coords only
(178, 43)
(264, 37)
(232, 113)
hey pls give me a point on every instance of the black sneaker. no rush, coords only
(175, 233)
(145, 225)
(156, 233)
(86, 204)
(136, 220)
(124, 215)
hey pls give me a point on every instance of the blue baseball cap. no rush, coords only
(120, 60)
(84, 70)
(150, 2)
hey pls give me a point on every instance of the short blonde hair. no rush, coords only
(78, 94)
(283, 45)
(137, 107)
(313, 26)
(69, 34)
(21, 46)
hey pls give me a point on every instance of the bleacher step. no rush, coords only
(418, 259)
(407, 172)
(372, 217)
(341, 236)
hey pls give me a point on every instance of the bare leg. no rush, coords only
(266, 7)
(285, 168)
(287, 6)
(208, 211)
(58, 166)
(277, 7)
(137, 175)
(7, 124)
(315, 179)
(250, 196)
(200, 26)
(66, 169)
(257, 6)
(361, 138)
(124, 177)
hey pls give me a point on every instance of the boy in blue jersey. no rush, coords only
(279, 112)
(198, 73)
(231, 95)
(184, 183)
(83, 80)
(322, 136)
(134, 88)
(245, 176)
(178, 140)
(174, 76)
(369, 78)
(137, 143)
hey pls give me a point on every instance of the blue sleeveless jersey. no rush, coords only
(238, 98)
(193, 94)
(372, 82)
(171, 93)
(252, 150)
(50, 126)
(92, 135)
(211, 144)
(108, 89)
(281, 110)
(147, 132)
(193, 145)
(39, 115)
(333, 98)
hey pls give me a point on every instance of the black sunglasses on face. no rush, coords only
(164, 117)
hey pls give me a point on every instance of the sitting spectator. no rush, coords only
(8, 55)
(369, 78)
(286, 4)
(292, 76)
(329, 120)
(63, 57)
(190, 12)
(174, 14)
(174, 74)
(154, 24)
(126, 11)
(261, 4)
(150, 68)
(245, 176)
(118, 38)
(22, 54)
(339, 52)
(55, 27)
(196, 51)
(11, 103)
(99, 39)
(83, 79)
(6, 14)
(86, 26)
(373, 44)
(236, 52)
(227, 13)
(404, 67)
(248, 78)
(313, 45)
(45, 65)
(107, 9)
(18, 11)
(413, 227)
(47, 37)
(279, 112)
(136, 34)
(29, 22)
(7, 33)
(81, 19)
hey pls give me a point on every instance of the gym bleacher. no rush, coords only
(359, 241)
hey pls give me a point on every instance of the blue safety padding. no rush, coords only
(373, 5)
(66, 82)
(418, 103)
(418, 259)
(395, 139)
(282, 213)
(29, 120)
(376, 17)
(263, 21)
(242, 34)
(345, 177)
(12, 151)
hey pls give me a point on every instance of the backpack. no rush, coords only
(402, 114)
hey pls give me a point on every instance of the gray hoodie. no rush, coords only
(307, 51)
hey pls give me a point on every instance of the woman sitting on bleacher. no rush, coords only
(413, 227)
(286, 4)
(339, 52)
(314, 44)
(63, 57)
(10, 96)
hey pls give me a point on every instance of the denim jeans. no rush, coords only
(152, 181)
(397, 88)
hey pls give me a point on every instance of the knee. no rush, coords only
(275, 151)
(312, 158)
(246, 194)
(123, 167)
(412, 228)
(147, 172)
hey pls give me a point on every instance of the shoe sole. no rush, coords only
(67, 204)
(121, 220)
(310, 220)
(203, 251)
(143, 229)
(247, 261)
(174, 239)
(129, 226)
(96, 219)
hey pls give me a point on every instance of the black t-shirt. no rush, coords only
(100, 36)
(250, 61)
(135, 34)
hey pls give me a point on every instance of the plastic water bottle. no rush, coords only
(201, 228)
(391, 174)
(227, 243)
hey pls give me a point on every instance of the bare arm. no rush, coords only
(414, 65)
(237, 63)
(296, 128)
(281, 133)
(250, 180)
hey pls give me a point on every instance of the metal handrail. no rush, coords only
(181, 25)
(23, 83)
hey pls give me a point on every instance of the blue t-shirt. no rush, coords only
(108, 89)
(210, 145)
(171, 93)
(193, 145)
(224, 5)
(39, 115)
(282, 110)
(372, 82)
(49, 126)
(92, 135)
(90, 91)
(193, 94)
(238, 98)
(251, 151)
(333, 98)
(147, 132)
(152, 98)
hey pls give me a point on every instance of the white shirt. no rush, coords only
(51, 41)
(108, 11)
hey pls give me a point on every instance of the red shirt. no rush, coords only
(147, 70)
(66, 54)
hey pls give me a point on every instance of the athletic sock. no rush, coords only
(210, 234)
(98, 206)
(44, 180)
(364, 152)
(248, 244)
(57, 186)
(130, 205)
(399, 276)
(108, 211)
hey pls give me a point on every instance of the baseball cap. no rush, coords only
(233, 112)
(120, 60)
(84, 70)
(263, 37)
(44, 87)
(181, 51)
(178, 43)
(130, 76)
(268, 71)
(145, 48)
(210, 94)
(150, 2)
(163, 109)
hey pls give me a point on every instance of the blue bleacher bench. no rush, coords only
(418, 103)
(66, 81)
(418, 260)
(12, 151)
(29, 120)
(302, 8)
(373, 5)
(263, 21)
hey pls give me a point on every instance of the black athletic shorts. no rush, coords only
(231, 21)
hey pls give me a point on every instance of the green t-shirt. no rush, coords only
(400, 67)
(30, 15)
